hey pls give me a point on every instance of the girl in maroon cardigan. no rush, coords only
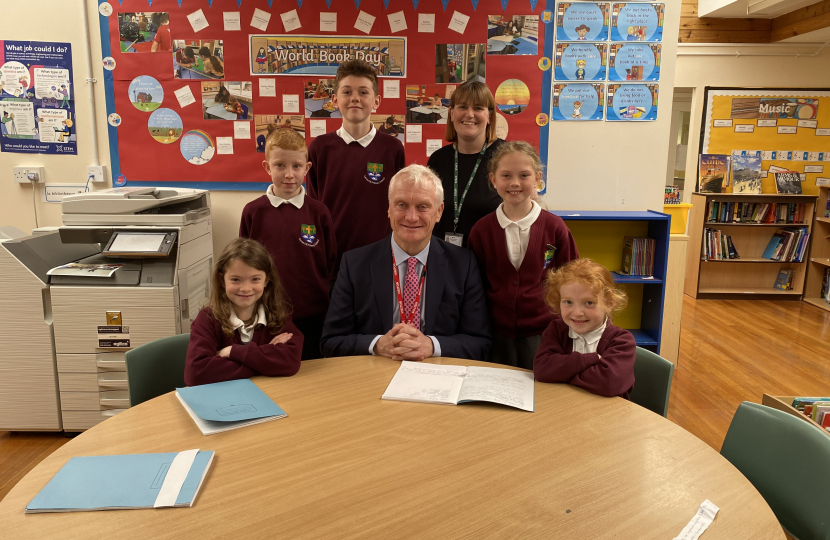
(516, 246)
(247, 329)
(583, 347)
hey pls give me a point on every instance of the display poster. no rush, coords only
(632, 21)
(632, 102)
(37, 98)
(581, 61)
(582, 21)
(577, 102)
(634, 62)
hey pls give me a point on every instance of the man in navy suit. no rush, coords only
(371, 292)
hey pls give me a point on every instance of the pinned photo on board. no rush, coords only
(198, 59)
(317, 98)
(635, 62)
(580, 61)
(513, 35)
(632, 21)
(578, 101)
(145, 32)
(265, 124)
(512, 97)
(582, 21)
(459, 63)
(227, 100)
(165, 126)
(428, 103)
(391, 124)
(146, 94)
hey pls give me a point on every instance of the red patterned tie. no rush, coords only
(410, 291)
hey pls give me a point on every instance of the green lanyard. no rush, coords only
(458, 204)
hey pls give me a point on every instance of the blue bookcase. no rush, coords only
(600, 236)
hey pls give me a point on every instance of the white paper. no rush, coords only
(233, 20)
(808, 123)
(391, 89)
(823, 181)
(198, 20)
(767, 123)
(54, 193)
(775, 169)
(433, 145)
(823, 132)
(787, 130)
(290, 20)
(426, 23)
(173, 481)
(413, 133)
(784, 155)
(505, 386)
(364, 22)
(723, 123)
(260, 19)
(397, 21)
(224, 145)
(768, 155)
(290, 103)
(814, 168)
(185, 96)
(318, 127)
(799, 156)
(459, 22)
(814, 156)
(267, 87)
(328, 22)
(703, 518)
(241, 130)
(744, 128)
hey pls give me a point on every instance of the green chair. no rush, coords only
(788, 462)
(156, 368)
(652, 381)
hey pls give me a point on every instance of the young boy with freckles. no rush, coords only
(297, 231)
(351, 167)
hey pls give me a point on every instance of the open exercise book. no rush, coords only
(452, 385)
(124, 482)
(228, 405)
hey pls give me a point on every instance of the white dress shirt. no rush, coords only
(297, 200)
(401, 258)
(587, 342)
(517, 232)
(363, 141)
(246, 333)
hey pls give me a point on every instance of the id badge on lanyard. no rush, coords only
(457, 204)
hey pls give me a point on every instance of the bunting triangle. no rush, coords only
(445, 2)
(533, 4)
(386, 4)
(299, 3)
(415, 4)
(180, 2)
(150, 2)
(475, 4)
(120, 2)
(357, 4)
(210, 3)
(269, 3)
(328, 4)
(504, 4)
(239, 3)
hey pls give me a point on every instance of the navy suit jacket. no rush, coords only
(362, 301)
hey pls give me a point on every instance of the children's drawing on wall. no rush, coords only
(512, 97)
(265, 124)
(318, 93)
(227, 100)
(391, 124)
(513, 35)
(746, 173)
(145, 32)
(460, 63)
(198, 59)
(428, 103)
(580, 61)
(637, 22)
(146, 94)
(632, 102)
(582, 21)
(165, 126)
(197, 147)
(635, 62)
(578, 101)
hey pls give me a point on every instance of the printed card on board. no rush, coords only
(578, 101)
(582, 21)
(581, 61)
(634, 62)
(632, 102)
(632, 21)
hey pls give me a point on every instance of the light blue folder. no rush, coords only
(126, 481)
(228, 405)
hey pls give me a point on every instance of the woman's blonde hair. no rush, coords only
(254, 254)
(476, 94)
(594, 276)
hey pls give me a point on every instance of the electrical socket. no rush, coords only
(29, 175)
(97, 172)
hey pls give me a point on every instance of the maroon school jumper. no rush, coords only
(516, 299)
(258, 357)
(611, 375)
(305, 263)
(353, 183)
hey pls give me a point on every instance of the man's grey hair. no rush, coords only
(421, 177)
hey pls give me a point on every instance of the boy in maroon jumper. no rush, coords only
(583, 347)
(351, 167)
(297, 231)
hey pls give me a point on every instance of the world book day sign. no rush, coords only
(315, 55)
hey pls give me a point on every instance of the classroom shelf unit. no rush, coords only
(751, 276)
(600, 236)
(819, 253)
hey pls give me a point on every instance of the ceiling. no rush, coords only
(750, 9)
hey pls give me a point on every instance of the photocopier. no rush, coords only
(129, 265)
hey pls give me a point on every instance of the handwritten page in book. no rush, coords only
(426, 383)
(504, 386)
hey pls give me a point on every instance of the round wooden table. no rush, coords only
(346, 464)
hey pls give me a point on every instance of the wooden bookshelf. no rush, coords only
(751, 276)
(784, 403)
(819, 253)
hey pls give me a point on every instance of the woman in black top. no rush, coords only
(471, 127)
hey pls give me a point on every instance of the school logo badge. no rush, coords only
(374, 172)
(549, 256)
(308, 235)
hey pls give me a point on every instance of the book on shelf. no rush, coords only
(228, 405)
(787, 182)
(746, 174)
(741, 212)
(820, 415)
(713, 170)
(672, 195)
(784, 281)
(787, 245)
(420, 382)
(827, 208)
(638, 256)
(718, 246)
(825, 286)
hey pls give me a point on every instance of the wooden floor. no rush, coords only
(730, 351)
